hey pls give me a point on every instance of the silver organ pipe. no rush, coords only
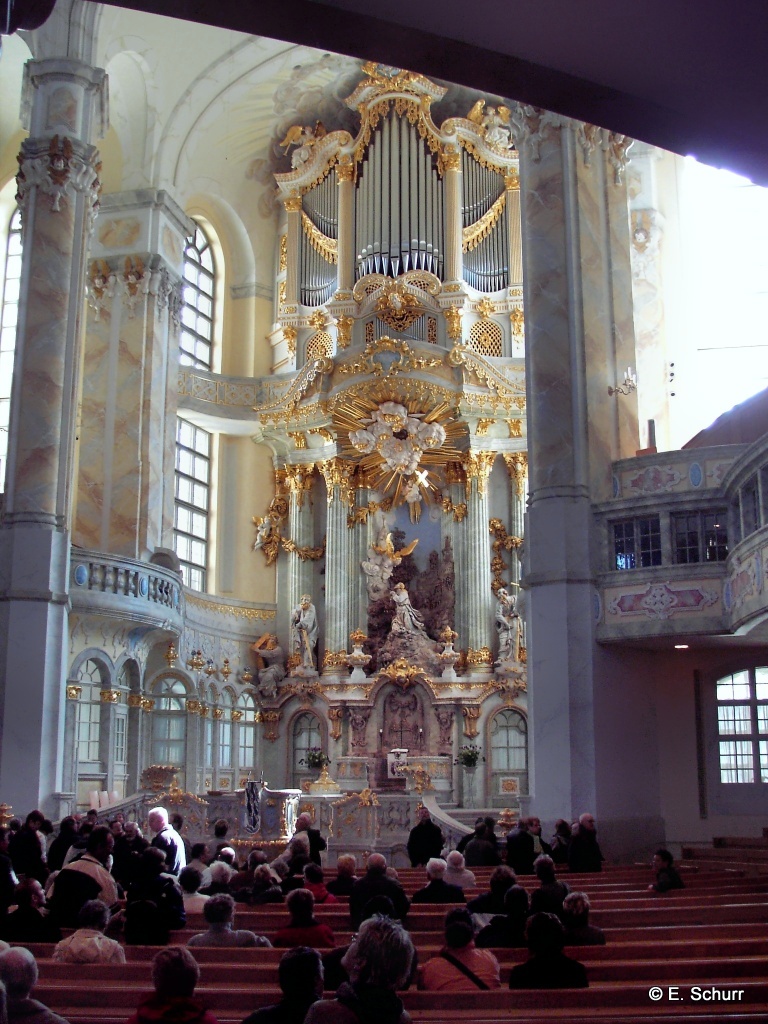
(318, 272)
(486, 265)
(394, 195)
(413, 162)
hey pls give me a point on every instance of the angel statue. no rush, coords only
(304, 138)
(496, 124)
(507, 626)
(381, 561)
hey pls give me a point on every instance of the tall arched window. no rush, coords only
(305, 734)
(225, 730)
(89, 714)
(192, 506)
(509, 751)
(197, 315)
(169, 722)
(246, 733)
(9, 314)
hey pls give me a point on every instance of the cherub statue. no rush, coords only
(272, 653)
(304, 138)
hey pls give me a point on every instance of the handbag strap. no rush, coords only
(467, 971)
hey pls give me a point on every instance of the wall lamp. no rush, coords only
(627, 386)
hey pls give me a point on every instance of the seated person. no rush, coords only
(335, 975)
(314, 881)
(507, 929)
(666, 876)
(303, 928)
(175, 974)
(190, 880)
(266, 886)
(345, 878)
(575, 918)
(437, 890)
(18, 973)
(548, 898)
(221, 875)
(89, 944)
(29, 922)
(376, 882)
(201, 859)
(460, 966)
(483, 850)
(457, 873)
(547, 966)
(243, 879)
(300, 974)
(492, 902)
(219, 913)
(378, 962)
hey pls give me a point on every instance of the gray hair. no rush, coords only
(455, 860)
(436, 867)
(384, 953)
(18, 972)
(156, 812)
(221, 872)
(94, 914)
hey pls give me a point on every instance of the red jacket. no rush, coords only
(180, 1010)
(317, 935)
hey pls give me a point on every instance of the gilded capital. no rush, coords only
(451, 159)
(292, 204)
(345, 172)
(453, 315)
(478, 466)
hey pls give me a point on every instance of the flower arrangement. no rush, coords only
(316, 758)
(469, 756)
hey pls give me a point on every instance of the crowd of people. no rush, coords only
(110, 882)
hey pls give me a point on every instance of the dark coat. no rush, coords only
(425, 841)
(371, 885)
(479, 853)
(504, 931)
(668, 878)
(584, 853)
(438, 891)
(316, 844)
(28, 925)
(520, 851)
(548, 898)
(553, 971)
(172, 845)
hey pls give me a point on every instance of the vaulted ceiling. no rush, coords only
(689, 77)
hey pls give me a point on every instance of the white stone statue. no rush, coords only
(407, 619)
(304, 631)
(269, 677)
(381, 561)
(507, 626)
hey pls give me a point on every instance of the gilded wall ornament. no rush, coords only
(109, 696)
(271, 720)
(517, 322)
(344, 326)
(453, 315)
(75, 692)
(471, 716)
(335, 717)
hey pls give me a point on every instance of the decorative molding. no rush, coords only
(335, 717)
(66, 169)
(662, 601)
(74, 692)
(109, 696)
(471, 717)
(236, 611)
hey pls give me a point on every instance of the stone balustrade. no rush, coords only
(117, 587)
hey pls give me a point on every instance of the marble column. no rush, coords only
(58, 191)
(514, 230)
(578, 316)
(338, 563)
(128, 416)
(299, 479)
(478, 613)
(455, 509)
(454, 271)
(345, 179)
(517, 467)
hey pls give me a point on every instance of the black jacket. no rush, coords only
(367, 887)
(425, 840)
(438, 891)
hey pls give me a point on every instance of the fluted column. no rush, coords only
(298, 480)
(514, 230)
(58, 190)
(339, 569)
(479, 607)
(345, 178)
(453, 252)
(517, 467)
(293, 249)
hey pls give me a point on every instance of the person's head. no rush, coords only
(544, 934)
(490, 823)
(68, 825)
(131, 830)
(562, 828)
(86, 828)
(152, 862)
(662, 859)
(265, 876)
(255, 858)
(303, 822)
(479, 826)
(14, 824)
(100, 843)
(29, 893)
(92, 815)
(157, 819)
(300, 972)
(459, 930)
(177, 821)
(221, 873)
(455, 861)
(220, 828)
(377, 864)
(424, 814)
(382, 905)
(94, 914)
(544, 867)
(200, 852)
(313, 873)
(435, 868)
(116, 828)
(586, 822)
(18, 972)
(190, 880)
(175, 973)
(34, 820)
(219, 909)
(301, 906)
(380, 955)
(576, 909)
(534, 826)
(228, 855)
(47, 827)
(501, 879)
(516, 902)
(346, 866)
(522, 824)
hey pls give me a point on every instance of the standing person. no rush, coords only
(25, 848)
(465, 839)
(315, 841)
(460, 966)
(560, 841)
(167, 839)
(482, 851)
(175, 973)
(539, 846)
(58, 849)
(520, 849)
(666, 876)
(425, 840)
(8, 879)
(584, 854)
(93, 863)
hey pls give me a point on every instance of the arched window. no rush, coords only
(225, 731)
(89, 713)
(246, 733)
(191, 510)
(197, 314)
(169, 722)
(306, 734)
(509, 751)
(9, 314)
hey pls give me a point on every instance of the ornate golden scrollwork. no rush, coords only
(344, 326)
(517, 467)
(75, 692)
(477, 466)
(471, 717)
(502, 542)
(473, 234)
(459, 512)
(422, 781)
(109, 696)
(335, 717)
(402, 674)
(517, 322)
(338, 473)
(453, 315)
(271, 720)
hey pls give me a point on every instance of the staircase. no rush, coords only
(747, 854)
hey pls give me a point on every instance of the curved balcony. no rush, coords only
(126, 589)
